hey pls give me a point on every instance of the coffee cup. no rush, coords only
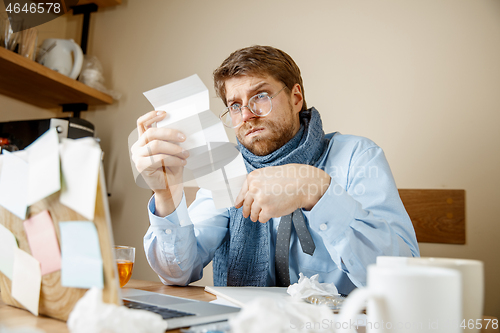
(472, 273)
(406, 299)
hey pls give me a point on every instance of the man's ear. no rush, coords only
(297, 98)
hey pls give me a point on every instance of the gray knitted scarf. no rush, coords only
(243, 257)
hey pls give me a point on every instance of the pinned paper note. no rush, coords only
(26, 280)
(14, 184)
(81, 255)
(44, 172)
(7, 245)
(80, 160)
(43, 242)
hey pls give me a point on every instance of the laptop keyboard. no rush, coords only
(164, 312)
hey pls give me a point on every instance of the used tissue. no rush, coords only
(91, 315)
(280, 316)
(311, 287)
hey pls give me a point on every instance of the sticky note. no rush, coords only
(81, 255)
(26, 280)
(44, 172)
(14, 184)
(7, 244)
(80, 160)
(43, 243)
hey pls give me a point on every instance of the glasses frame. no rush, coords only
(240, 109)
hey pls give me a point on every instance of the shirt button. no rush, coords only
(168, 231)
(323, 227)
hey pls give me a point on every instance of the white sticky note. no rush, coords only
(81, 255)
(80, 161)
(43, 241)
(44, 172)
(26, 280)
(7, 244)
(14, 184)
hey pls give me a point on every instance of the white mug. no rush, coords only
(472, 272)
(406, 299)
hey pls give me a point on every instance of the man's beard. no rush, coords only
(278, 133)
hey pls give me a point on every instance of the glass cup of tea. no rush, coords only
(125, 256)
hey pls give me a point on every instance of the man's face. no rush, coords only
(263, 135)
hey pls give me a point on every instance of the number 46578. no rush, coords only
(471, 323)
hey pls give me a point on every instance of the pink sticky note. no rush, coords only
(43, 242)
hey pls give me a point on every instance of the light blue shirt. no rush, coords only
(360, 217)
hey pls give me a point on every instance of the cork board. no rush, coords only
(57, 301)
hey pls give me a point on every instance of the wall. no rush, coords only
(420, 78)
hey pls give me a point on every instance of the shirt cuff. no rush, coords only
(179, 216)
(328, 222)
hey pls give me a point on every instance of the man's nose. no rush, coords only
(246, 114)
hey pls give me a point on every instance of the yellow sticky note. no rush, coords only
(26, 280)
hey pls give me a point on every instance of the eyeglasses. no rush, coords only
(260, 105)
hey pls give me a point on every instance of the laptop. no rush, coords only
(177, 311)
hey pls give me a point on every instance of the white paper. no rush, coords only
(26, 280)
(44, 172)
(14, 184)
(80, 160)
(212, 157)
(7, 245)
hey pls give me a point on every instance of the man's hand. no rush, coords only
(280, 190)
(160, 160)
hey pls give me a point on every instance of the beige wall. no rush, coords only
(420, 78)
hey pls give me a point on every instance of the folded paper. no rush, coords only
(213, 161)
(26, 280)
(80, 161)
(43, 243)
(44, 176)
(14, 183)
(7, 244)
(81, 255)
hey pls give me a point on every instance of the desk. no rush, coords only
(12, 317)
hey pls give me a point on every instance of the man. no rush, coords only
(337, 190)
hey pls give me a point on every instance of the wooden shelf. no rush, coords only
(28, 81)
(101, 3)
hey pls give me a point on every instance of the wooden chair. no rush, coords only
(438, 216)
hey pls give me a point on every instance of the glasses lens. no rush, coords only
(260, 104)
(230, 119)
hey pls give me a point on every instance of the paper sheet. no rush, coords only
(7, 245)
(44, 172)
(14, 184)
(26, 280)
(81, 255)
(214, 162)
(80, 160)
(43, 242)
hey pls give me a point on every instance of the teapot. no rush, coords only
(56, 54)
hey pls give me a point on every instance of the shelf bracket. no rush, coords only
(85, 10)
(76, 108)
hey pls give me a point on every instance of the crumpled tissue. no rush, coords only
(92, 315)
(306, 287)
(282, 316)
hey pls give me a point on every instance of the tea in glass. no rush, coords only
(125, 256)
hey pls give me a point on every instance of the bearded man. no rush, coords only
(311, 204)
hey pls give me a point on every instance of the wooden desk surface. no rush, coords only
(12, 317)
